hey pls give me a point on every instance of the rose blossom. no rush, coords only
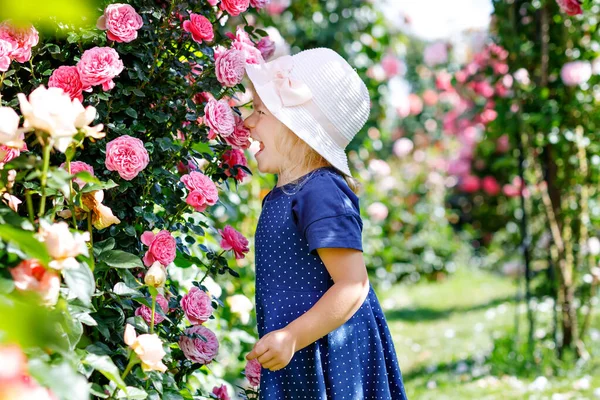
(78, 166)
(196, 305)
(121, 21)
(377, 211)
(234, 157)
(200, 28)
(234, 240)
(146, 312)
(11, 201)
(148, 348)
(198, 350)
(67, 78)
(22, 40)
(156, 275)
(161, 247)
(127, 156)
(490, 185)
(266, 47)
(435, 54)
(470, 184)
(240, 305)
(102, 216)
(242, 42)
(259, 3)
(503, 144)
(571, 7)
(6, 49)
(276, 7)
(229, 67)
(31, 275)
(63, 245)
(98, 66)
(218, 116)
(234, 7)
(252, 372)
(221, 392)
(202, 190)
(391, 65)
(403, 147)
(240, 139)
(576, 72)
(10, 134)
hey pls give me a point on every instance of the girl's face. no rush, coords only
(265, 128)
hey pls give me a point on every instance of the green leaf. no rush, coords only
(62, 379)
(106, 367)
(138, 93)
(26, 241)
(90, 187)
(104, 245)
(132, 393)
(120, 259)
(123, 290)
(81, 282)
(131, 112)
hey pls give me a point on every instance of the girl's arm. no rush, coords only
(342, 300)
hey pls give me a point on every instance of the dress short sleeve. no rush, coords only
(327, 213)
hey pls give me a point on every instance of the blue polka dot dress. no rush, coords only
(358, 359)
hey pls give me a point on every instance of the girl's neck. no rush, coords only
(288, 176)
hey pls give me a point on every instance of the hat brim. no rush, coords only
(298, 120)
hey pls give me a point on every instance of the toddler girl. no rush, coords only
(322, 332)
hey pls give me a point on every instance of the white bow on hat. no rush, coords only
(291, 92)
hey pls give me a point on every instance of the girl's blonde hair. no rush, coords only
(304, 157)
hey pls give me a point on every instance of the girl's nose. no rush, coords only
(248, 122)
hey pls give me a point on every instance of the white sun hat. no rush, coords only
(319, 96)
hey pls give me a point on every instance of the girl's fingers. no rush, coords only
(266, 357)
(271, 364)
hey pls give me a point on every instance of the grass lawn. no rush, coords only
(444, 332)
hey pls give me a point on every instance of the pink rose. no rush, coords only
(146, 312)
(196, 305)
(576, 72)
(98, 66)
(259, 3)
(243, 43)
(8, 154)
(435, 54)
(221, 392)
(78, 166)
(391, 65)
(240, 139)
(21, 39)
(162, 247)
(415, 104)
(503, 144)
(266, 47)
(202, 190)
(276, 7)
(31, 275)
(200, 28)
(121, 21)
(490, 185)
(470, 184)
(213, 2)
(67, 78)
(229, 67)
(252, 372)
(233, 240)
(571, 7)
(6, 49)
(218, 116)
(196, 349)
(234, 7)
(430, 97)
(234, 157)
(127, 156)
(377, 211)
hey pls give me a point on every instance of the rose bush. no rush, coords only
(96, 222)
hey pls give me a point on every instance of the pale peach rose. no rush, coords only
(102, 216)
(63, 245)
(156, 275)
(31, 275)
(148, 347)
(10, 134)
(11, 201)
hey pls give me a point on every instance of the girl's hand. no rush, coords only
(274, 350)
